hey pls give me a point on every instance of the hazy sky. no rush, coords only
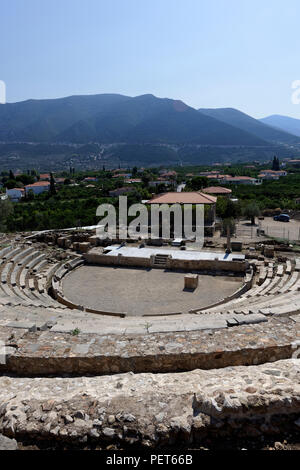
(208, 53)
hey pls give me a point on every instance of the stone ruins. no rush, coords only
(76, 375)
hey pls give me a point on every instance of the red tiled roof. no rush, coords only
(169, 173)
(275, 172)
(238, 178)
(183, 198)
(18, 189)
(217, 190)
(38, 183)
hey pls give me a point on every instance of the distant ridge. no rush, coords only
(113, 118)
(283, 123)
(243, 121)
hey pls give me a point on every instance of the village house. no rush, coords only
(122, 175)
(214, 175)
(159, 181)
(45, 177)
(119, 191)
(192, 198)
(59, 180)
(294, 162)
(218, 191)
(15, 194)
(38, 187)
(169, 174)
(241, 180)
(119, 170)
(90, 179)
(133, 180)
(271, 174)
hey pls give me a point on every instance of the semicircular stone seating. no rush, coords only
(238, 384)
(275, 291)
(26, 275)
(31, 289)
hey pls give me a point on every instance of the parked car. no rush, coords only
(282, 217)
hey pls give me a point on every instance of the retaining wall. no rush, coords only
(187, 265)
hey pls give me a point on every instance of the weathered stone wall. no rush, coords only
(154, 410)
(188, 265)
(47, 352)
(207, 265)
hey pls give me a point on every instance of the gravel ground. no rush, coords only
(137, 290)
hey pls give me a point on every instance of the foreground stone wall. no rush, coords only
(50, 352)
(153, 410)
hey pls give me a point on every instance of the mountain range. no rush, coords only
(284, 123)
(114, 118)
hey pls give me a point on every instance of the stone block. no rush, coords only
(191, 281)
(84, 247)
(61, 241)
(269, 251)
(26, 325)
(236, 246)
(68, 243)
(94, 240)
(7, 443)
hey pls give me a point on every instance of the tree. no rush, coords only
(276, 164)
(228, 229)
(6, 212)
(25, 179)
(52, 185)
(30, 195)
(11, 175)
(10, 184)
(146, 178)
(251, 210)
(197, 183)
(227, 209)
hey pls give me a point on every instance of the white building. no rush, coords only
(160, 182)
(15, 194)
(271, 174)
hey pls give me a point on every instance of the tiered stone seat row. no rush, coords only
(275, 291)
(25, 274)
